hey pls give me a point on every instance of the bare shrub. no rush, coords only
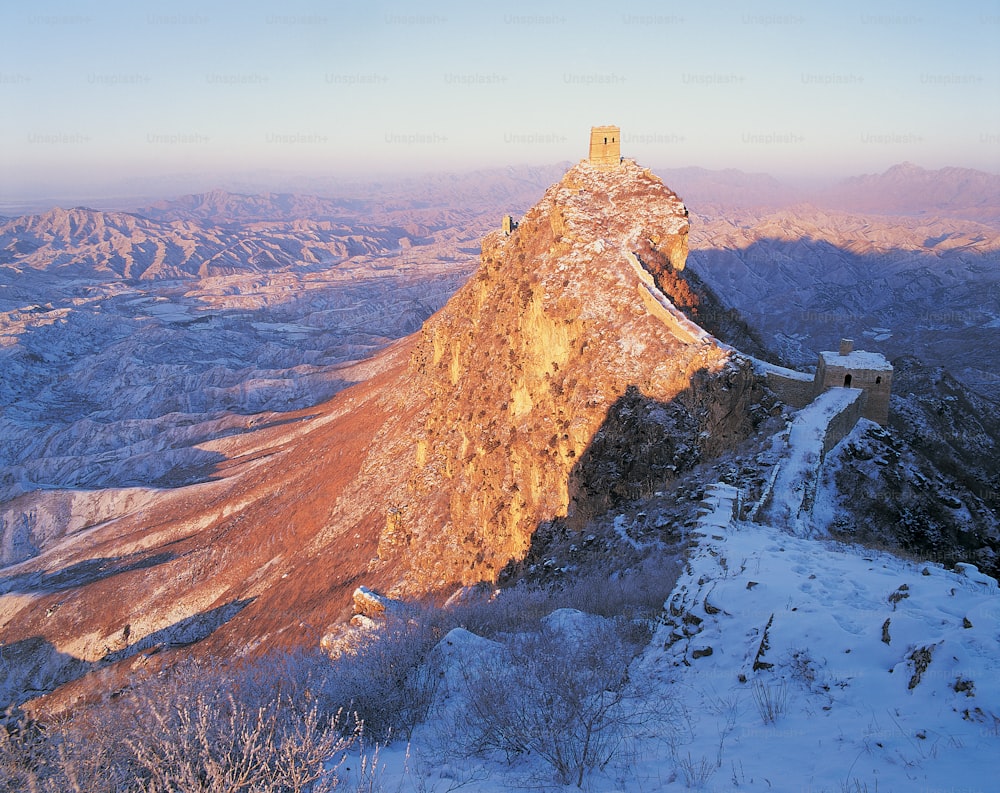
(215, 742)
(200, 729)
(494, 613)
(23, 754)
(635, 595)
(565, 698)
(638, 593)
(696, 773)
(771, 699)
(384, 680)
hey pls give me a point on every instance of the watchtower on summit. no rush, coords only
(605, 147)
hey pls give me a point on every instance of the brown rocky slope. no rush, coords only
(558, 381)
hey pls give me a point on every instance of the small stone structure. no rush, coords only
(605, 147)
(508, 225)
(847, 368)
(850, 368)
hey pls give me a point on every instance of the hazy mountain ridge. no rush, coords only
(708, 191)
(903, 189)
(909, 189)
(222, 206)
(83, 242)
(805, 277)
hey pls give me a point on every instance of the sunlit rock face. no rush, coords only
(559, 379)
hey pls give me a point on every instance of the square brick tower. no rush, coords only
(850, 368)
(605, 147)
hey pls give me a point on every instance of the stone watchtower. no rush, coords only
(605, 147)
(850, 368)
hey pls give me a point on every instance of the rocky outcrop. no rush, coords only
(559, 382)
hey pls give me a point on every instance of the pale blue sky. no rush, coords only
(94, 95)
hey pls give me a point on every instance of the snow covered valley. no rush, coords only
(114, 384)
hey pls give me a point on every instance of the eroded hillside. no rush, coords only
(557, 381)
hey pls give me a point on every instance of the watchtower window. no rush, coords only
(878, 379)
(847, 381)
(605, 139)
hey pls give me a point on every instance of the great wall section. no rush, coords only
(848, 385)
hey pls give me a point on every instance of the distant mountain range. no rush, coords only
(907, 189)
(86, 242)
(221, 206)
(903, 189)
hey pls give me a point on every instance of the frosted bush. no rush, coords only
(560, 694)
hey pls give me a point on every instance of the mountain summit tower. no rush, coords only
(605, 147)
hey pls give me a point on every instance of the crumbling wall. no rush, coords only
(795, 391)
(843, 422)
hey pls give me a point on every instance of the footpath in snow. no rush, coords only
(791, 492)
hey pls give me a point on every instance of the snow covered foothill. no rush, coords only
(821, 666)
(783, 663)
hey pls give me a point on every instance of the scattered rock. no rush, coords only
(963, 686)
(900, 594)
(921, 659)
(758, 663)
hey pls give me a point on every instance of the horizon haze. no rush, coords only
(143, 100)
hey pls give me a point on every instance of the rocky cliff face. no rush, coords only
(559, 381)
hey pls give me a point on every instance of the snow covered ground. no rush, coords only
(782, 663)
(831, 667)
